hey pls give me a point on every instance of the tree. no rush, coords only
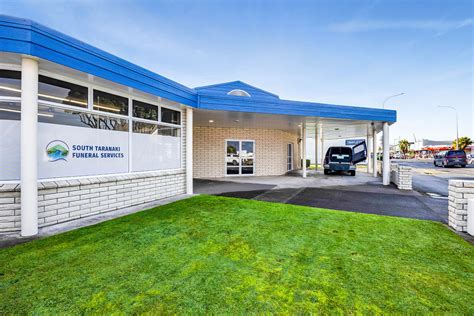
(404, 146)
(463, 143)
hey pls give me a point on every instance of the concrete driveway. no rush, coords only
(361, 193)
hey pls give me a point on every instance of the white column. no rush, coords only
(323, 154)
(303, 151)
(375, 164)
(316, 143)
(369, 154)
(386, 155)
(28, 145)
(189, 150)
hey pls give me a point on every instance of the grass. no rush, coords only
(222, 255)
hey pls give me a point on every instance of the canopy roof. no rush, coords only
(22, 36)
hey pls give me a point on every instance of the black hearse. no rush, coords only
(344, 159)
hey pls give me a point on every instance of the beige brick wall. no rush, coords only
(270, 150)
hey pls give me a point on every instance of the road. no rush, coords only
(434, 180)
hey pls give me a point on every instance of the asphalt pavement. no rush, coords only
(432, 180)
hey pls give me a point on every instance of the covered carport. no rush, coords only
(238, 111)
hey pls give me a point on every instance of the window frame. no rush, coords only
(159, 102)
(180, 116)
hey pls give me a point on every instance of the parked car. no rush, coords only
(232, 159)
(450, 158)
(344, 159)
(470, 159)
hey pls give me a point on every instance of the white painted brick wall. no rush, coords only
(270, 150)
(60, 201)
(401, 176)
(459, 192)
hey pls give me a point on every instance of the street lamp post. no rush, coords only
(392, 96)
(457, 125)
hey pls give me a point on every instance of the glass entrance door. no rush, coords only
(240, 157)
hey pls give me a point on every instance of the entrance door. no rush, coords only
(240, 157)
(289, 160)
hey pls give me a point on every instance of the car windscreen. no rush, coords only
(340, 154)
(456, 153)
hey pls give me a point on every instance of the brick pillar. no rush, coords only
(459, 193)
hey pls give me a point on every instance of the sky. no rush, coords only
(339, 52)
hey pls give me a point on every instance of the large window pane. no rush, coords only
(145, 128)
(169, 131)
(111, 103)
(10, 110)
(62, 92)
(170, 116)
(10, 83)
(68, 117)
(112, 123)
(145, 110)
(149, 128)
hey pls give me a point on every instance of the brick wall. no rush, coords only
(61, 201)
(401, 176)
(270, 150)
(459, 192)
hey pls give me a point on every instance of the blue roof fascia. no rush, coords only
(27, 37)
(297, 108)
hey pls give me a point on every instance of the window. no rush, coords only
(112, 123)
(107, 102)
(154, 129)
(58, 91)
(170, 116)
(169, 131)
(145, 128)
(10, 110)
(239, 93)
(54, 115)
(10, 83)
(145, 111)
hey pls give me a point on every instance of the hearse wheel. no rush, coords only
(326, 171)
(352, 172)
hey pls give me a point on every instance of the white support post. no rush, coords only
(369, 154)
(322, 152)
(316, 143)
(375, 164)
(189, 150)
(303, 154)
(28, 146)
(386, 155)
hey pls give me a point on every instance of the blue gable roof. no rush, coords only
(222, 89)
(27, 37)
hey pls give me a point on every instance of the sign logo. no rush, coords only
(57, 150)
(353, 142)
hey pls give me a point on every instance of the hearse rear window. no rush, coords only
(340, 154)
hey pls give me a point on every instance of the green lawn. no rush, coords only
(223, 255)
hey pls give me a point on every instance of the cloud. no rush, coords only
(380, 25)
